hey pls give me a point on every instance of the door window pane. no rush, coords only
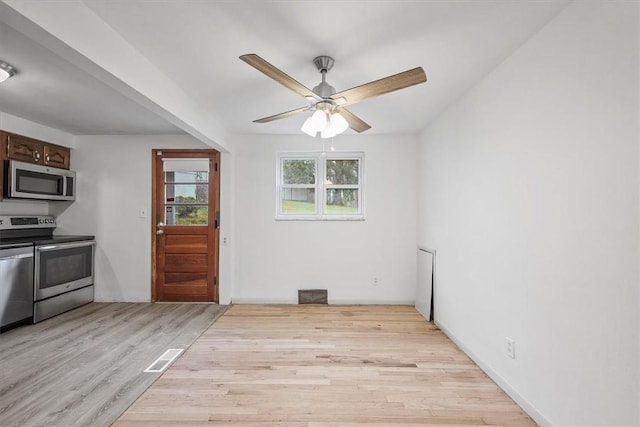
(186, 198)
(187, 193)
(187, 177)
(191, 215)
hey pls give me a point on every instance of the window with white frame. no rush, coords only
(320, 186)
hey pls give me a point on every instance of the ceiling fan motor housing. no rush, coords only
(324, 90)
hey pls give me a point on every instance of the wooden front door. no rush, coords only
(186, 197)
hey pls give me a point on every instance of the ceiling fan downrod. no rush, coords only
(324, 64)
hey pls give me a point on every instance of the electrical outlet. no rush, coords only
(225, 240)
(376, 281)
(511, 348)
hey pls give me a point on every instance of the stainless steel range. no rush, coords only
(62, 275)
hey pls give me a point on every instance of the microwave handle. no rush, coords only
(64, 246)
(66, 191)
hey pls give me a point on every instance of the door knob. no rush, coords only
(160, 224)
(159, 232)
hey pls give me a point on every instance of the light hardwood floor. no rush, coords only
(84, 367)
(320, 366)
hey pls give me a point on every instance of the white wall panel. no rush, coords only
(528, 189)
(276, 258)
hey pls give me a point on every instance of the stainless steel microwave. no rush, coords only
(29, 181)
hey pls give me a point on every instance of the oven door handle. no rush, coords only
(16, 257)
(64, 246)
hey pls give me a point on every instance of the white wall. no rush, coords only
(31, 129)
(114, 183)
(528, 189)
(276, 258)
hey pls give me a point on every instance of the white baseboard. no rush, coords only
(262, 301)
(99, 298)
(498, 379)
(369, 302)
(331, 301)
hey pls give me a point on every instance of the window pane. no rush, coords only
(342, 201)
(187, 193)
(299, 171)
(342, 172)
(186, 215)
(298, 200)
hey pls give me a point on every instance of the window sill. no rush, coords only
(321, 218)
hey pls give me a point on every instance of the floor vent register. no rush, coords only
(163, 362)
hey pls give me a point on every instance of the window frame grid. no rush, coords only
(320, 187)
(175, 204)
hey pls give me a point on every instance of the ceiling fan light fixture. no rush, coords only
(6, 71)
(308, 128)
(335, 125)
(319, 120)
(328, 132)
(338, 123)
(328, 124)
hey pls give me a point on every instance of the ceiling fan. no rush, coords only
(330, 116)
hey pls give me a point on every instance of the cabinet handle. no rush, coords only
(47, 159)
(37, 155)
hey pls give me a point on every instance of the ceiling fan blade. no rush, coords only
(382, 86)
(282, 115)
(355, 122)
(270, 71)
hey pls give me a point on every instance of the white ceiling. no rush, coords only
(49, 90)
(197, 45)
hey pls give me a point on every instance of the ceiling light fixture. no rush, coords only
(6, 71)
(325, 120)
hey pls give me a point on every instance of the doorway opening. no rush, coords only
(185, 225)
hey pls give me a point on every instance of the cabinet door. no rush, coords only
(24, 149)
(56, 156)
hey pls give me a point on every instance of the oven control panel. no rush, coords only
(9, 222)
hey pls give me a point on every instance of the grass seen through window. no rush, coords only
(293, 206)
